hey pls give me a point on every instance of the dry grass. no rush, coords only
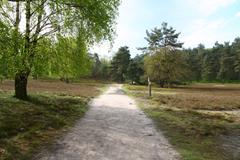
(204, 97)
(85, 89)
(53, 107)
(194, 118)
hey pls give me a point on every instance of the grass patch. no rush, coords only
(195, 135)
(202, 97)
(81, 89)
(26, 126)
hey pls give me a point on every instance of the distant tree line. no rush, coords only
(163, 60)
(219, 63)
(166, 63)
(120, 68)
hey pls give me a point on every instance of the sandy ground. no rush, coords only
(113, 129)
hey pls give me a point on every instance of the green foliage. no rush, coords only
(96, 68)
(119, 64)
(44, 59)
(100, 68)
(69, 27)
(135, 69)
(105, 69)
(96, 19)
(236, 53)
(165, 67)
(220, 63)
(164, 64)
(237, 65)
(162, 38)
(67, 58)
(5, 51)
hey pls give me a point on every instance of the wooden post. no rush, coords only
(149, 88)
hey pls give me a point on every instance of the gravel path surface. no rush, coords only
(113, 129)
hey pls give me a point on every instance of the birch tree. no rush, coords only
(32, 20)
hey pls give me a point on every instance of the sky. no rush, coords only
(199, 21)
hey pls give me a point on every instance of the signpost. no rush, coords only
(149, 88)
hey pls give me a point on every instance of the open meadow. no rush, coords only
(59, 60)
(53, 106)
(201, 120)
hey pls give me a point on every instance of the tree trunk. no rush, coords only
(149, 87)
(21, 80)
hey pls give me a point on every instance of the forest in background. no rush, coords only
(221, 63)
(164, 60)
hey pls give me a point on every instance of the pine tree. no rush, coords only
(226, 71)
(119, 64)
(164, 63)
(165, 37)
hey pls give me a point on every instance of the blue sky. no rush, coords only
(199, 21)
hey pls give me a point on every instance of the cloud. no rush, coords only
(208, 7)
(196, 19)
(205, 31)
(238, 14)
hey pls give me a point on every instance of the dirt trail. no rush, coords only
(113, 129)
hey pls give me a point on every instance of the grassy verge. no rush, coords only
(195, 135)
(27, 127)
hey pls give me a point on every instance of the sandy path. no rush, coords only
(113, 129)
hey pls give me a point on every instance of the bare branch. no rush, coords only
(47, 34)
(44, 20)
